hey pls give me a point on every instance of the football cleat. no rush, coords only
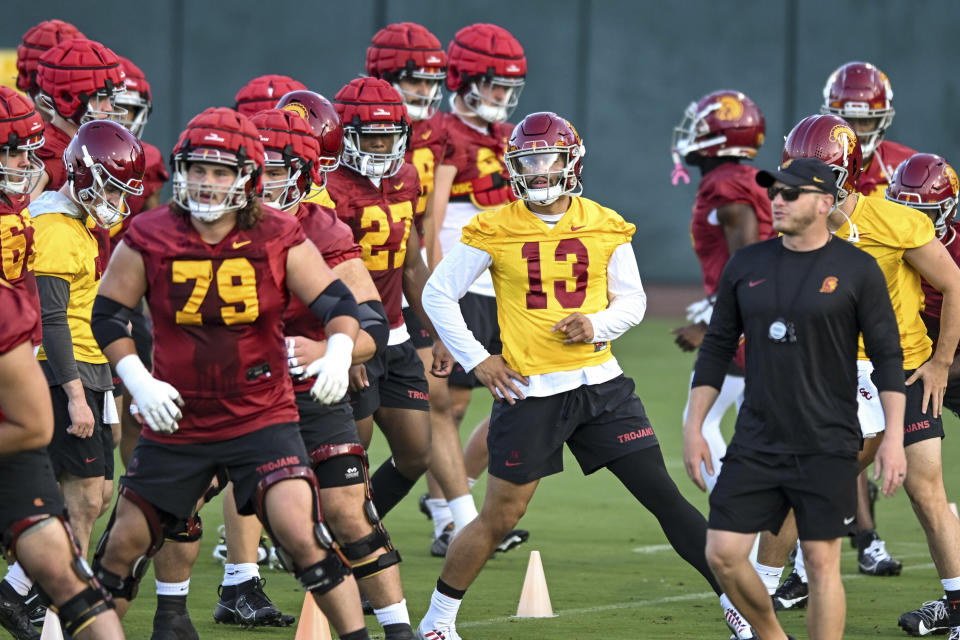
(440, 544)
(173, 625)
(439, 631)
(954, 633)
(792, 594)
(738, 624)
(247, 605)
(220, 550)
(931, 617)
(513, 540)
(875, 561)
(36, 606)
(422, 505)
(14, 614)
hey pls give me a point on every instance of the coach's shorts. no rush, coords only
(599, 422)
(419, 335)
(480, 314)
(397, 380)
(27, 487)
(172, 477)
(82, 457)
(755, 490)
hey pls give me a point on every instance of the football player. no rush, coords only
(556, 380)
(34, 43)
(926, 182)
(263, 92)
(218, 269)
(717, 133)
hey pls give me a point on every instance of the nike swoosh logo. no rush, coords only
(754, 283)
(577, 228)
(513, 464)
(89, 460)
(849, 520)
(397, 187)
(237, 245)
(424, 136)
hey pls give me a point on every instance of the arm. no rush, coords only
(25, 400)
(890, 461)
(414, 279)
(936, 266)
(437, 209)
(695, 447)
(739, 225)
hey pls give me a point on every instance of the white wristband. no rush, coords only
(340, 346)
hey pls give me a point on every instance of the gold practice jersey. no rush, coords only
(542, 275)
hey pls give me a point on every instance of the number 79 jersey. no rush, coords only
(217, 314)
(542, 275)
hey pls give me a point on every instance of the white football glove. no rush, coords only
(700, 311)
(332, 370)
(156, 400)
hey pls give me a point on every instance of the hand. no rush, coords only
(498, 378)
(577, 328)
(696, 451)
(891, 464)
(157, 402)
(934, 376)
(302, 351)
(332, 370)
(358, 377)
(81, 418)
(442, 360)
(689, 337)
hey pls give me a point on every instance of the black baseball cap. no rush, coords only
(802, 172)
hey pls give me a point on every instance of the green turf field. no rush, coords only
(609, 569)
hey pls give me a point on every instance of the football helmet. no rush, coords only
(487, 68)
(287, 142)
(544, 158)
(926, 182)
(73, 72)
(858, 91)
(832, 139)
(263, 92)
(720, 124)
(21, 131)
(322, 118)
(372, 107)
(219, 136)
(136, 98)
(104, 154)
(34, 43)
(409, 51)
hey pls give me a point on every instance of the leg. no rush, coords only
(408, 433)
(128, 539)
(775, 548)
(828, 606)
(475, 453)
(84, 500)
(924, 486)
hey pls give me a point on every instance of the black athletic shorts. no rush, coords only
(27, 487)
(917, 425)
(480, 314)
(325, 424)
(951, 399)
(172, 477)
(755, 490)
(599, 422)
(82, 457)
(419, 336)
(397, 380)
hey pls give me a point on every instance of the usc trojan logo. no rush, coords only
(844, 132)
(952, 177)
(829, 284)
(297, 108)
(730, 108)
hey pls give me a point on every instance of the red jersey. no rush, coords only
(55, 142)
(16, 256)
(886, 158)
(21, 319)
(425, 152)
(729, 183)
(334, 239)
(932, 298)
(481, 173)
(217, 314)
(380, 220)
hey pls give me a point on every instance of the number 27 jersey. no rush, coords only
(542, 275)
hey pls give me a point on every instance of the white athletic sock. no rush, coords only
(949, 584)
(18, 579)
(229, 570)
(798, 565)
(173, 588)
(242, 572)
(440, 513)
(393, 614)
(769, 575)
(471, 482)
(463, 510)
(442, 609)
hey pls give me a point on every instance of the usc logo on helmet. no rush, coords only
(829, 284)
(849, 137)
(952, 177)
(297, 108)
(730, 108)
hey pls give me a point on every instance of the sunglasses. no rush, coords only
(789, 193)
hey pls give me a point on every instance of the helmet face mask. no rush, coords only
(861, 94)
(95, 107)
(422, 90)
(493, 99)
(927, 183)
(137, 111)
(374, 164)
(375, 127)
(208, 185)
(721, 124)
(544, 159)
(18, 180)
(282, 192)
(106, 199)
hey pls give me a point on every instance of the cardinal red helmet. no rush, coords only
(35, 42)
(136, 98)
(720, 124)
(371, 107)
(487, 67)
(288, 143)
(73, 74)
(104, 158)
(263, 92)
(545, 158)
(409, 52)
(322, 118)
(217, 136)
(926, 182)
(831, 139)
(860, 93)
(21, 133)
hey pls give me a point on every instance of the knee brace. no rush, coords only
(79, 612)
(189, 530)
(117, 585)
(323, 576)
(13, 533)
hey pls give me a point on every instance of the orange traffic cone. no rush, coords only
(534, 599)
(953, 507)
(51, 627)
(313, 624)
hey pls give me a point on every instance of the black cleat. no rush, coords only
(792, 594)
(36, 606)
(366, 606)
(873, 558)
(14, 615)
(173, 625)
(930, 618)
(422, 504)
(399, 631)
(438, 548)
(247, 605)
(513, 540)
